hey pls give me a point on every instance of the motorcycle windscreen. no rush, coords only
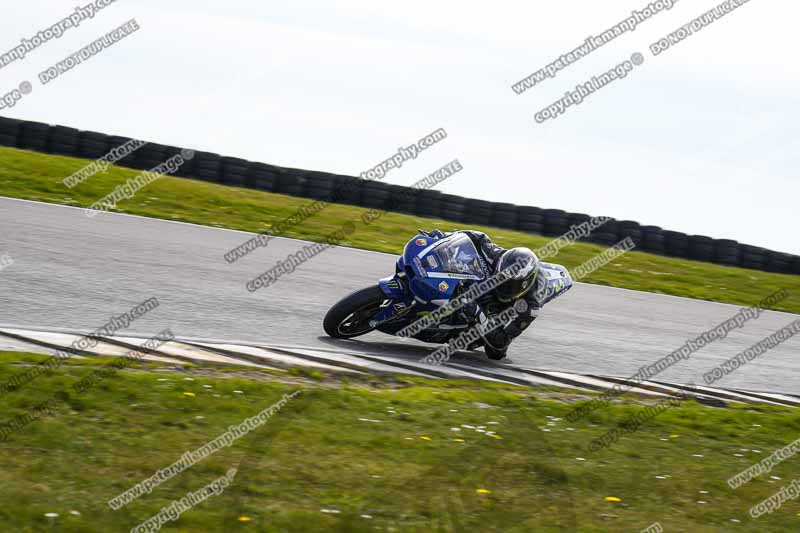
(455, 258)
(442, 266)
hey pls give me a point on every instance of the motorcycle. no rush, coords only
(429, 274)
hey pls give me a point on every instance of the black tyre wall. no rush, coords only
(64, 141)
(9, 132)
(92, 145)
(34, 136)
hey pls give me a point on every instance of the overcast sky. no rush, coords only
(702, 138)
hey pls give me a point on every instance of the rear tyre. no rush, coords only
(350, 316)
(493, 353)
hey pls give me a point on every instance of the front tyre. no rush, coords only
(351, 315)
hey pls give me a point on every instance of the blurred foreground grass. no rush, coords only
(376, 454)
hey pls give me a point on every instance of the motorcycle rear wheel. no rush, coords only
(350, 316)
(493, 353)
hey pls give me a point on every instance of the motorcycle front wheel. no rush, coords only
(351, 315)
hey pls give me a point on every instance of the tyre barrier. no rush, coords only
(207, 166)
(92, 145)
(320, 185)
(795, 265)
(115, 141)
(530, 219)
(428, 203)
(34, 136)
(576, 219)
(752, 257)
(726, 252)
(232, 171)
(607, 234)
(602, 237)
(454, 207)
(531, 227)
(149, 156)
(259, 176)
(9, 132)
(292, 182)
(403, 199)
(701, 248)
(555, 222)
(630, 229)
(529, 214)
(64, 141)
(778, 262)
(504, 216)
(653, 240)
(348, 191)
(478, 212)
(676, 243)
(375, 194)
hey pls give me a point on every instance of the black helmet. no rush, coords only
(522, 266)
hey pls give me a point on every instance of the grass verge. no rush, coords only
(376, 454)
(36, 176)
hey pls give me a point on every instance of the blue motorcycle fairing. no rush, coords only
(436, 267)
(429, 273)
(431, 269)
(392, 288)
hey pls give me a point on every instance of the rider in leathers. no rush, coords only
(499, 339)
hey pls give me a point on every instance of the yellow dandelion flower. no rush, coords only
(612, 499)
(483, 491)
(191, 394)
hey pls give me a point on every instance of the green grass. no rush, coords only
(316, 454)
(37, 176)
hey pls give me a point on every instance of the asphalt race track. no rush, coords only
(71, 272)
